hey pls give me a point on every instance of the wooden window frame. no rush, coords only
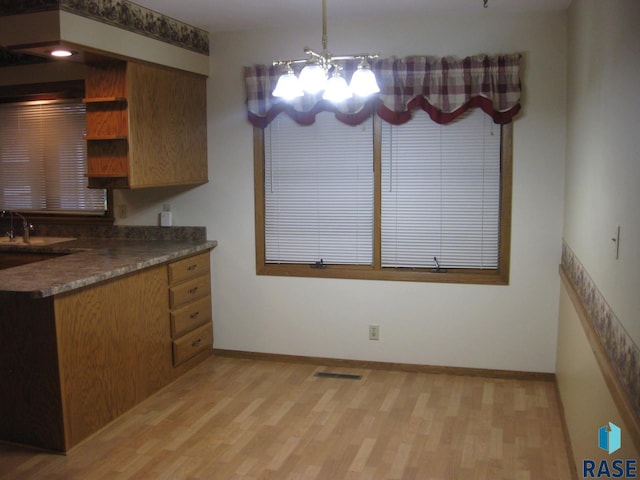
(73, 89)
(499, 276)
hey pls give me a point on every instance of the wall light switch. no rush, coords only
(374, 332)
(616, 242)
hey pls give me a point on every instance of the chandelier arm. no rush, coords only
(356, 56)
(279, 63)
(315, 55)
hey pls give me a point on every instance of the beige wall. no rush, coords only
(588, 404)
(603, 149)
(602, 178)
(511, 327)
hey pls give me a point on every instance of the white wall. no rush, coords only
(603, 150)
(498, 327)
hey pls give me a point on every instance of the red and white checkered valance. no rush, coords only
(443, 87)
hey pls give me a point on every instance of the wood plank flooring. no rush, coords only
(233, 418)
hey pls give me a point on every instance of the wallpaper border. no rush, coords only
(122, 14)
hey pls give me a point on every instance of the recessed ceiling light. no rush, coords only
(62, 53)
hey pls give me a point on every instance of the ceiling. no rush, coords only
(229, 15)
(232, 15)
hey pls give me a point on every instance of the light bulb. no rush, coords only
(61, 53)
(363, 82)
(288, 86)
(337, 89)
(313, 78)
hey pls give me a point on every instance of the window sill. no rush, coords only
(464, 276)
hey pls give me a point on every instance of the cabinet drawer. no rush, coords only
(190, 316)
(189, 291)
(188, 268)
(192, 343)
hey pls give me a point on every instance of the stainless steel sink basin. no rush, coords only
(34, 241)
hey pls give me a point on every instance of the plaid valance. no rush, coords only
(443, 87)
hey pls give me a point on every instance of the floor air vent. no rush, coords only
(346, 376)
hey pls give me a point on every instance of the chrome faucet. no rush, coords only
(26, 226)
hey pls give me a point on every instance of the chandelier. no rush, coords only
(323, 73)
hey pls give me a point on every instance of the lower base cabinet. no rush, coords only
(75, 362)
(190, 307)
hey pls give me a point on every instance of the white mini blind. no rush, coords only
(441, 192)
(43, 159)
(318, 191)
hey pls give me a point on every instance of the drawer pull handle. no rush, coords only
(193, 290)
(194, 315)
(192, 267)
(196, 342)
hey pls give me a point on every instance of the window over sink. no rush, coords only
(43, 158)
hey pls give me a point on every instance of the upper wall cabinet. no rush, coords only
(146, 126)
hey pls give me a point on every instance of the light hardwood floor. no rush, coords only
(232, 418)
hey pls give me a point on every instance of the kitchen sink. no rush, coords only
(34, 241)
(16, 258)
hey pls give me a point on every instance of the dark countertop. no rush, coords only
(86, 261)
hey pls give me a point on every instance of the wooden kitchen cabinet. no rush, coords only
(113, 349)
(190, 306)
(74, 362)
(146, 126)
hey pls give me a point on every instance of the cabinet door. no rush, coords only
(114, 348)
(167, 126)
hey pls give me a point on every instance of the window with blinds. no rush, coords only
(318, 192)
(441, 192)
(43, 159)
(417, 202)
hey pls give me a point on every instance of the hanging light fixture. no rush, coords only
(323, 72)
(288, 86)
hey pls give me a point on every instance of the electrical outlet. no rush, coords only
(374, 332)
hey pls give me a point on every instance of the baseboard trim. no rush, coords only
(403, 367)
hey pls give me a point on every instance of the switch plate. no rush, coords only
(374, 332)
